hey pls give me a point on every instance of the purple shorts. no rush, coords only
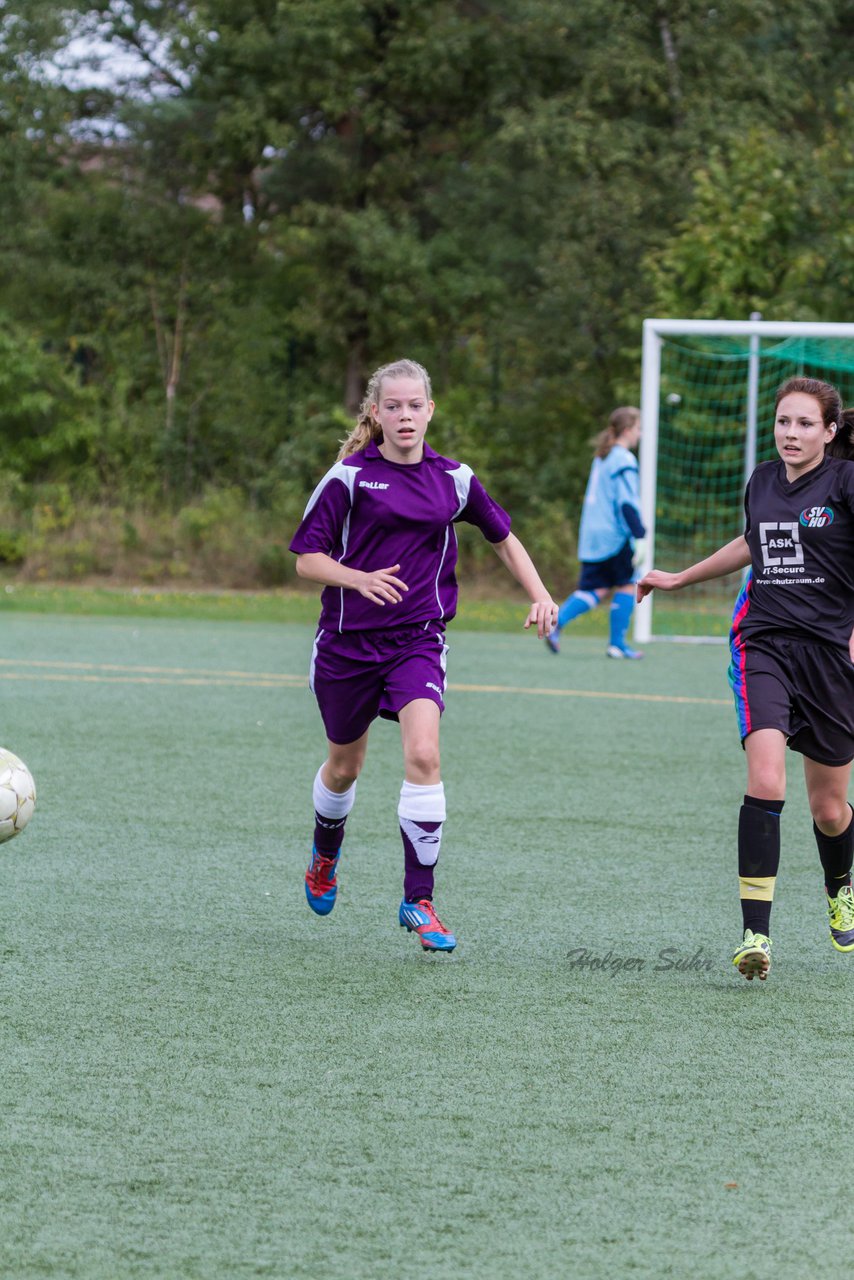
(359, 675)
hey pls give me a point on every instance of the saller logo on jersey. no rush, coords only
(372, 484)
(817, 517)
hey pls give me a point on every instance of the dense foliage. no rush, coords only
(204, 252)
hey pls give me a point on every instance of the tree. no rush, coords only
(769, 228)
(223, 243)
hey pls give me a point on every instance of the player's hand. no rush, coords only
(658, 580)
(851, 645)
(542, 615)
(382, 586)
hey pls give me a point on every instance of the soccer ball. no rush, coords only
(17, 795)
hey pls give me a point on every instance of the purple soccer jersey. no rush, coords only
(370, 514)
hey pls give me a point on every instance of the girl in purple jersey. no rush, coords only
(792, 645)
(378, 533)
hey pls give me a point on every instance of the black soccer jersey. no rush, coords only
(801, 540)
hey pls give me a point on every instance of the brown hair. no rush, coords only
(832, 412)
(367, 428)
(620, 421)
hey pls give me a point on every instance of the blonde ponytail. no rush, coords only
(367, 428)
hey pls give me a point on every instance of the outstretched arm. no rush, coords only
(735, 555)
(543, 611)
(380, 585)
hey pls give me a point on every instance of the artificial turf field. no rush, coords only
(200, 1078)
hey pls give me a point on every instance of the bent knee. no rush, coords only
(342, 771)
(767, 784)
(830, 813)
(422, 759)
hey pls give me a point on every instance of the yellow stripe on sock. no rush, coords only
(757, 888)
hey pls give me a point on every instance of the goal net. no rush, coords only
(707, 405)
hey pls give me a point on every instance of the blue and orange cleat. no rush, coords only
(321, 886)
(420, 917)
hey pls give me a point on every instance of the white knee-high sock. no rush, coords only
(330, 813)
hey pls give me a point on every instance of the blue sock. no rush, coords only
(622, 607)
(579, 602)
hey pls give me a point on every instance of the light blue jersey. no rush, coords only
(613, 484)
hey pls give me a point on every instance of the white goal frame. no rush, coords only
(654, 333)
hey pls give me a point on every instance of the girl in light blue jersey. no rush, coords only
(610, 524)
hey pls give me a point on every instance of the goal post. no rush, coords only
(707, 396)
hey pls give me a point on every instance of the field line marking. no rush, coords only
(81, 677)
(86, 672)
(168, 671)
(592, 693)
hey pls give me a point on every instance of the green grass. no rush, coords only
(198, 1078)
(153, 602)
(488, 614)
(491, 613)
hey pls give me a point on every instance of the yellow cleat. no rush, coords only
(752, 956)
(841, 912)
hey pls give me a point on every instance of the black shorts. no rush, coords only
(616, 571)
(804, 689)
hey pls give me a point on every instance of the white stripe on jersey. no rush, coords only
(439, 571)
(313, 662)
(462, 478)
(345, 538)
(347, 475)
(338, 471)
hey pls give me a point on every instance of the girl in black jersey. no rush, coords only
(792, 645)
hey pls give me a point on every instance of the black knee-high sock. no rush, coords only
(758, 860)
(837, 855)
